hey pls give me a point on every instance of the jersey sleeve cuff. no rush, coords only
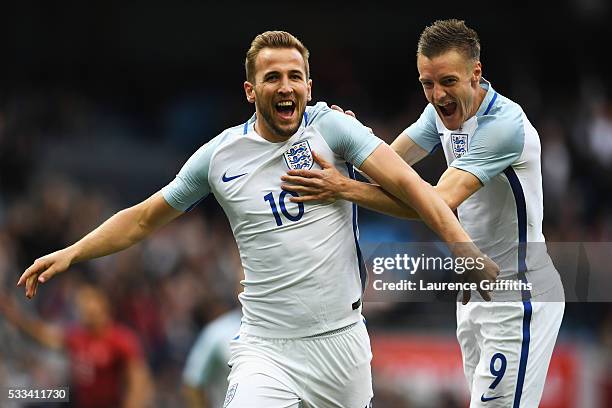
(172, 200)
(480, 175)
(366, 151)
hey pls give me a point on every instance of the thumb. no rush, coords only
(467, 294)
(320, 161)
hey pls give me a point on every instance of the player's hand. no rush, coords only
(339, 109)
(482, 268)
(477, 275)
(350, 113)
(326, 184)
(44, 269)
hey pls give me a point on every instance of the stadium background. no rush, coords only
(100, 105)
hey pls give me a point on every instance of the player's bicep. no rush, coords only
(155, 212)
(389, 171)
(455, 186)
(408, 150)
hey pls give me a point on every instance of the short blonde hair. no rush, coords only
(273, 39)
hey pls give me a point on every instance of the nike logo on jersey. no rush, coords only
(486, 399)
(227, 178)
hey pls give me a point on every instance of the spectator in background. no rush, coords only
(206, 371)
(107, 367)
(600, 135)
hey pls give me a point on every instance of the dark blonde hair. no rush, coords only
(446, 35)
(273, 39)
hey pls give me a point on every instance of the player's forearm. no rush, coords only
(122, 230)
(374, 198)
(430, 207)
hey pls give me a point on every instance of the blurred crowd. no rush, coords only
(68, 162)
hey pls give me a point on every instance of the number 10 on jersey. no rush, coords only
(281, 201)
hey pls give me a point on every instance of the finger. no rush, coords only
(485, 294)
(30, 286)
(302, 181)
(33, 269)
(467, 294)
(305, 173)
(320, 160)
(48, 274)
(300, 189)
(351, 113)
(309, 198)
(337, 108)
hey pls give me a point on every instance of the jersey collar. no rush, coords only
(489, 99)
(249, 125)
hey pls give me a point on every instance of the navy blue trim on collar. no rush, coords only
(491, 103)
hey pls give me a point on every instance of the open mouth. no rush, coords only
(285, 109)
(448, 109)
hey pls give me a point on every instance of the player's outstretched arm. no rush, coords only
(387, 169)
(120, 231)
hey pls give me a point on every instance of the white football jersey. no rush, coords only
(504, 218)
(303, 272)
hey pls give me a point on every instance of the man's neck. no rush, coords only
(480, 95)
(265, 132)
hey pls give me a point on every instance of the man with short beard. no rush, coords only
(302, 339)
(494, 182)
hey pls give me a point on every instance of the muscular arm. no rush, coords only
(120, 231)
(375, 198)
(395, 176)
(454, 187)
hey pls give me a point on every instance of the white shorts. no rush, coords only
(506, 349)
(326, 371)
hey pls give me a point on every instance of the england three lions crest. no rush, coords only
(231, 392)
(299, 156)
(459, 142)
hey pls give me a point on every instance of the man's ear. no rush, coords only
(309, 90)
(477, 73)
(249, 90)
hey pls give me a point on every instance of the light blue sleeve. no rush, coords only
(190, 185)
(345, 135)
(496, 144)
(200, 359)
(424, 131)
